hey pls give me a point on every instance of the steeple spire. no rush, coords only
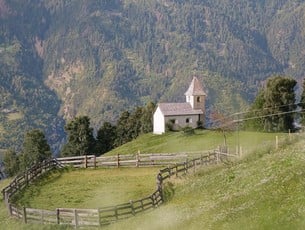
(195, 95)
(195, 88)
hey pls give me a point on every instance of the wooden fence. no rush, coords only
(28, 176)
(104, 215)
(134, 160)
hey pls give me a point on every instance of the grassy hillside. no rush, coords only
(263, 190)
(175, 142)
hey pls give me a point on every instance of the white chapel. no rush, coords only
(190, 113)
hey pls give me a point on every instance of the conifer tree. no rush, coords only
(11, 163)
(35, 149)
(80, 137)
(105, 139)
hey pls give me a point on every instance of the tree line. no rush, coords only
(81, 139)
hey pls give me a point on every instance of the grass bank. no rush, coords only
(262, 191)
(202, 140)
(265, 190)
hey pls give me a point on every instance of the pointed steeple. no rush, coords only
(195, 88)
(195, 95)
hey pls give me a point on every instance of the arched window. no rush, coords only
(188, 120)
(198, 99)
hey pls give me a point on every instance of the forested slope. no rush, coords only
(61, 58)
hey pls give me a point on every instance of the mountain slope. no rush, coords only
(98, 58)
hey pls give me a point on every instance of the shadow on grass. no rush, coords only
(168, 191)
(34, 188)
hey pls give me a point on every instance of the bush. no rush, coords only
(169, 126)
(199, 125)
(188, 130)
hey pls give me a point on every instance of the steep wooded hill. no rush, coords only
(61, 58)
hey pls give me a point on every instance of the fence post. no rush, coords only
(57, 216)
(176, 170)
(118, 161)
(116, 212)
(75, 218)
(159, 180)
(159, 185)
(138, 158)
(94, 162)
(152, 197)
(24, 215)
(276, 142)
(132, 208)
(85, 163)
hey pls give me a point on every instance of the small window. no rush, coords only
(198, 99)
(176, 121)
(188, 120)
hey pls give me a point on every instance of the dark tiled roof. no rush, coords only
(195, 88)
(178, 109)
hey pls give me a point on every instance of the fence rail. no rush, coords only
(134, 160)
(177, 164)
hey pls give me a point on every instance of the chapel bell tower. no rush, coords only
(195, 95)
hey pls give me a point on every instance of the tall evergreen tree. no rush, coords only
(35, 149)
(80, 137)
(105, 139)
(11, 163)
(123, 129)
(147, 118)
(135, 122)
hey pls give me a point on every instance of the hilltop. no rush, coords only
(202, 140)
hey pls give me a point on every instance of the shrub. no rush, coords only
(188, 130)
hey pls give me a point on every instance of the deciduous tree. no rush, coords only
(275, 104)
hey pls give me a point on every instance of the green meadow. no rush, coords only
(263, 189)
(203, 140)
(90, 188)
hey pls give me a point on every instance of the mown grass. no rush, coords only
(89, 188)
(201, 141)
(262, 191)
